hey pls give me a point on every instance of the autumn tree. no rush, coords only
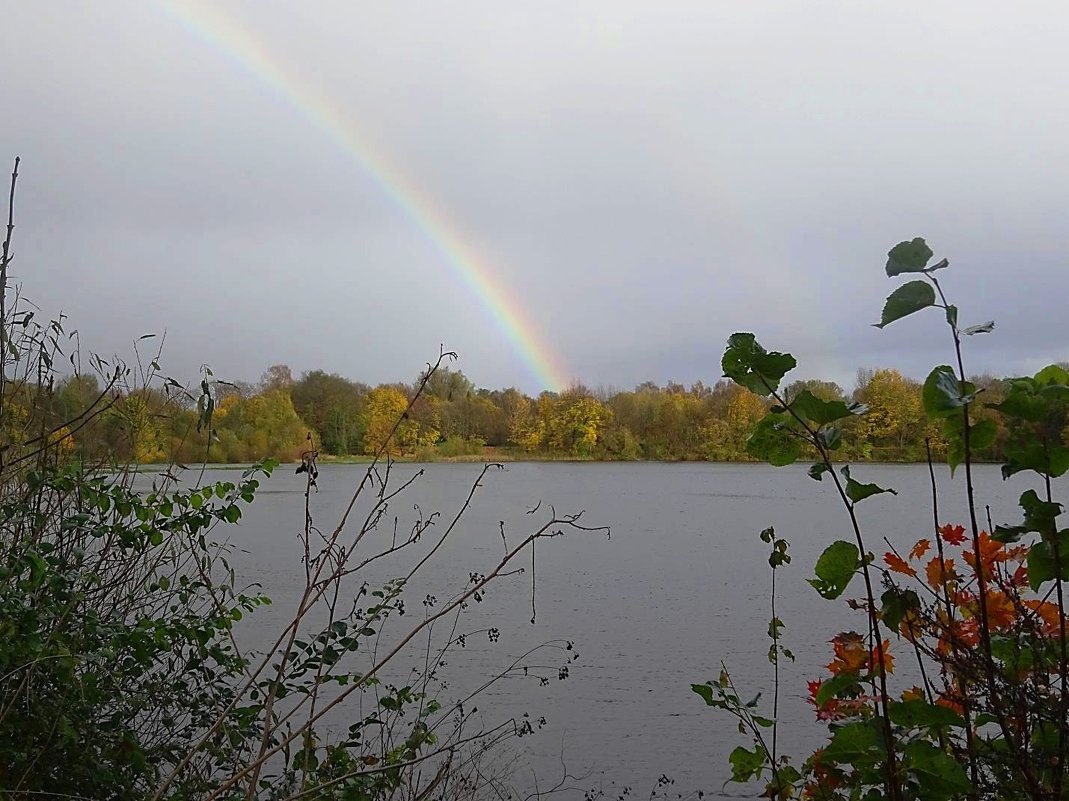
(137, 419)
(576, 423)
(385, 405)
(825, 390)
(265, 425)
(895, 418)
(277, 376)
(334, 407)
(449, 385)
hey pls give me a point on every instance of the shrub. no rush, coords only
(120, 673)
(982, 611)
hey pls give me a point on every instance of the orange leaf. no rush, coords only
(850, 653)
(1019, 577)
(954, 535)
(920, 549)
(991, 551)
(1000, 609)
(950, 703)
(1048, 613)
(888, 660)
(911, 624)
(898, 564)
(939, 573)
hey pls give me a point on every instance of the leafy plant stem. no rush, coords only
(984, 619)
(775, 675)
(874, 622)
(970, 735)
(1063, 656)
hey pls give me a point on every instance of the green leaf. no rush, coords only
(938, 774)
(38, 569)
(1042, 566)
(1008, 534)
(1045, 459)
(1039, 515)
(854, 744)
(943, 393)
(831, 437)
(1022, 402)
(952, 316)
(856, 491)
(821, 412)
(906, 300)
(817, 471)
(982, 434)
(920, 714)
(835, 686)
(706, 692)
(1009, 652)
(909, 257)
(745, 764)
(834, 569)
(772, 441)
(896, 603)
(748, 364)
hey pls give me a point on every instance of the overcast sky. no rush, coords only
(644, 178)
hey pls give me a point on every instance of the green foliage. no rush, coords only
(835, 568)
(763, 761)
(76, 678)
(821, 412)
(984, 615)
(774, 441)
(1037, 409)
(906, 300)
(909, 257)
(856, 491)
(746, 363)
(944, 395)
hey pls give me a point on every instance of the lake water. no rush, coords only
(681, 585)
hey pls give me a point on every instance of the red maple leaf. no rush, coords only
(954, 535)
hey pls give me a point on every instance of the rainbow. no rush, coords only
(214, 27)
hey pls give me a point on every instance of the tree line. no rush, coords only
(455, 419)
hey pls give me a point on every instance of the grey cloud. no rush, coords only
(645, 178)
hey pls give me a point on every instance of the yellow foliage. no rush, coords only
(62, 439)
(385, 405)
(576, 423)
(895, 409)
(527, 429)
(224, 406)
